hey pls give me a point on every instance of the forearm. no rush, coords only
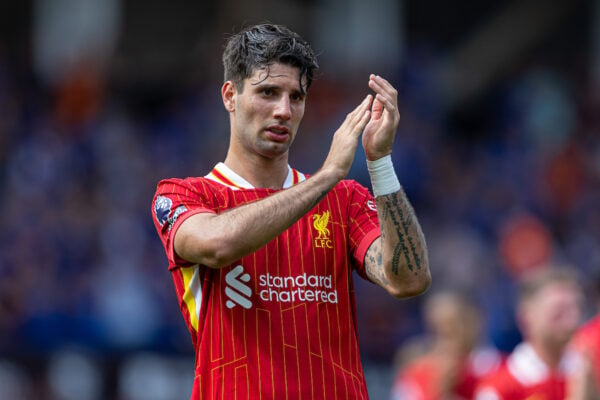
(223, 238)
(218, 240)
(405, 264)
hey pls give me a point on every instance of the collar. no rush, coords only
(224, 175)
(528, 368)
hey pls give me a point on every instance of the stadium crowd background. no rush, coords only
(498, 149)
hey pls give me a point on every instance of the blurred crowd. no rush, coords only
(503, 186)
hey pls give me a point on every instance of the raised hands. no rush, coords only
(379, 133)
(377, 118)
(345, 140)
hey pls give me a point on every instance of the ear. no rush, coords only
(228, 94)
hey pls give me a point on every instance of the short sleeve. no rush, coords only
(176, 200)
(363, 224)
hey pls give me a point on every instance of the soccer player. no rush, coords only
(454, 361)
(548, 314)
(262, 255)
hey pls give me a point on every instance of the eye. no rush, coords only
(268, 91)
(297, 97)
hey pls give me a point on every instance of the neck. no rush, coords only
(452, 346)
(550, 354)
(261, 172)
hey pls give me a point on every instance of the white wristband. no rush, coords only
(383, 177)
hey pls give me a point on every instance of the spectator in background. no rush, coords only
(584, 381)
(452, 362)
(549, 311)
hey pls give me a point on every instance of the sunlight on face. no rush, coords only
(268, 111)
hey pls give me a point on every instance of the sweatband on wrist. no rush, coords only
(383, 176)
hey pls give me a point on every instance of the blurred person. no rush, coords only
(15, 381)
(548, 313)
(452, 359)
(262, 255)
(584, 379)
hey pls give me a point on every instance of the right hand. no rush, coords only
(345, 139)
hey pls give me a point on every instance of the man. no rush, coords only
(454, 361)
(548, 314)
(262, 255)
(584, 380)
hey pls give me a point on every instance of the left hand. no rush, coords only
(378, 136)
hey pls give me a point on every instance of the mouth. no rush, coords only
(278, 133)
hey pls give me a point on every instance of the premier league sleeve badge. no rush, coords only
(162, 209)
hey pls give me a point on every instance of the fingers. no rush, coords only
(358, 118)
(386, 94)
(382, 86)
(359, 110)
(345, 139)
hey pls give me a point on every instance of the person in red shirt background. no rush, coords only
(453, 360)
(584, 381)
(548, 313)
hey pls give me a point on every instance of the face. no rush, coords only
(553, 314)
(265, 115)
(454, 322)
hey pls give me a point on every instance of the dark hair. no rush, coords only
(261, 45)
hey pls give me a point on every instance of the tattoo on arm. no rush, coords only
(397, 211)
(374, 264)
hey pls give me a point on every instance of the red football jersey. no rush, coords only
(421, 379)
(524, 376)
(279, 323)
(587, 340)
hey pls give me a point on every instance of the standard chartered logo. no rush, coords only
(237, 291)
(285, 289)
(280, 289)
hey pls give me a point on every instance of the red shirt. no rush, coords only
(420, 379)
(281, 322)
(587, 340)
(524, 376)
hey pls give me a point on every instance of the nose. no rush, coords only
(283, 110)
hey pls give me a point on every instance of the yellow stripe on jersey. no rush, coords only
(192, 297)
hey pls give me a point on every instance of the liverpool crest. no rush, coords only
(320, 222)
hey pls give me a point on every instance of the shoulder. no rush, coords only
(497, 385)
(350, 183)
(423, 367)
(484, 361)
(588, 335)
(591, 327)
(351, 188)
(414, 380)
(185, 185)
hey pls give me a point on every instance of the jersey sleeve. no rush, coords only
(363, 224)
(176, 200)
(417, 381)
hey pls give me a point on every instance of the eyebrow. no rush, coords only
(263, 85)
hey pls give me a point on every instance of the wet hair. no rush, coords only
(259, 46)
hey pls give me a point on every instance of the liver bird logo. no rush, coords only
(320, 224)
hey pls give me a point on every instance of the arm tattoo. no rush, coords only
(374, 264)
(397, 211)
(396, 259)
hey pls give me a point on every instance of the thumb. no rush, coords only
(377, 109)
